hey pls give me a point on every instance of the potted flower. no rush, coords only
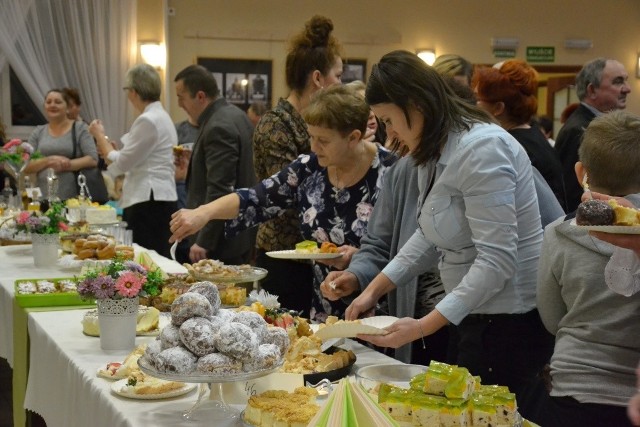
(116, 288)
(44, 229)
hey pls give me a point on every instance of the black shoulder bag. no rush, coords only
(93, 176)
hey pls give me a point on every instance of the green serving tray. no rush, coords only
(49, 300)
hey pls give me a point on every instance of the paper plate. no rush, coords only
(370, 326)
(612, 229)
(119, 388)
(292, 254)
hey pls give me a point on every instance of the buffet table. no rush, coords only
(64, 389)
(16, 262)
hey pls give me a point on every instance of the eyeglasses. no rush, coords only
(126, 88)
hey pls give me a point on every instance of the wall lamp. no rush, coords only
(153, 53)
(427, 55)
(638, 66)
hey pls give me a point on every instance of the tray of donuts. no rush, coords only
(98, 246)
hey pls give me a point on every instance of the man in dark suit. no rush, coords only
(601, 86)
(222, 160)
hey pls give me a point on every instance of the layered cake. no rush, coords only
(279, 408)
(444, 396)
(103, 214)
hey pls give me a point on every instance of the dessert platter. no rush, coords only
(216, 271)
(124, 389)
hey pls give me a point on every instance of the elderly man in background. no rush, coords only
(602, 86)
(222, 161)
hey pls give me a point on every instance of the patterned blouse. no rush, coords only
(325, 213)
(280, 137)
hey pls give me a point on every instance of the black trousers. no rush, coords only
(292, 281)
(568, 412)
(508, 349)
(149, 222)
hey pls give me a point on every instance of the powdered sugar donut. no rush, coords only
(170, 336)
(267, 357)
(188, 305)
(218, 364)
(210, 291)
(152, 351)
(178, 360)
(254, 321)
(197, 335)
(236, 340)
(226, 315)
(279, 337)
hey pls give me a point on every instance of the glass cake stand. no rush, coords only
(216, 409)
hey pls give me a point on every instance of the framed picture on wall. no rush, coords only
(354, 69)
(241, 81)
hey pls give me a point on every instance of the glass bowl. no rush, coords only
(398, 374)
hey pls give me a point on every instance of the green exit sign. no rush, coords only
(541, 54)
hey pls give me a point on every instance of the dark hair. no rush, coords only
(73, 95)
(196, 78)
(61, 92)
(515, 84)
(545, 123)
(403, 79)
(338, 107)
(312, 49)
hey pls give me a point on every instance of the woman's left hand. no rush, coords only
(186, 222)
(403, 331)
(342, 262)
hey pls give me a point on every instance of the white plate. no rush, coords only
(370, 325)
(119, 385)
(250, 274)
(613, 229)
(292, 254)
(70, 262)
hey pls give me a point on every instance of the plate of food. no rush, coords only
(150, 388)
(350, 329)
(216, 271)
(308, 249)
(612, 229)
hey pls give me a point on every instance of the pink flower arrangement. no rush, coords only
(120, 279)
(18, 152)
(51, 222)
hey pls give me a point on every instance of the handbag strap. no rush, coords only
(74, 139)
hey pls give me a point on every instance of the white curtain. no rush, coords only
(86, 44)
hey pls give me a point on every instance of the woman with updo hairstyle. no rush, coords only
(508, 91)
(314, 61)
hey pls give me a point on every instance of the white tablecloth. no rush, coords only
(64, 389)
(16, 262)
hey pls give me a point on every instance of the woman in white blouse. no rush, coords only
(146, 159)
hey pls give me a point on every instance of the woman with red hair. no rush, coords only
(508, 91)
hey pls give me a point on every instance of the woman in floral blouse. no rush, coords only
(333, 189)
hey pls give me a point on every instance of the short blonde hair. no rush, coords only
(610, 152)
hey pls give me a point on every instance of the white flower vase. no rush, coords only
(117, 321)
(45, 249)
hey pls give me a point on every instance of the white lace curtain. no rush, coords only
(86, 44)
